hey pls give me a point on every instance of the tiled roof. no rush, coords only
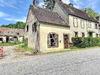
(47, 16)
(11, 32)
(76, 12)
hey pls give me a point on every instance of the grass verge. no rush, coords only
(25, 48)
(73, 49)
(10, 44)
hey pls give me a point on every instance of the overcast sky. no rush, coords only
(12, 11)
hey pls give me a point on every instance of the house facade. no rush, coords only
(6, 34)
(81, 24)
(46, 30)
(53, 30)
(98, 18)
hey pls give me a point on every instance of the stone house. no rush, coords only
(81, 24)
(53, 30)
(9, 33)
(98, 18)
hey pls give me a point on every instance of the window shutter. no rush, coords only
(76, 22)
(56, 40)
(48, 40)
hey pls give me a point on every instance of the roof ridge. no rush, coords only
(73, 7)
(77, 12)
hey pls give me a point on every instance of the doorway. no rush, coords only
(66, 41)
(7, 39)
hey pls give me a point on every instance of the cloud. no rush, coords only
(66, 1)
(91, 4)
(41, 4)
(23, 19)
(9, 3)
(78, 3)
(2, 14)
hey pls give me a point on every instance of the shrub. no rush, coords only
(86, 42)
(11, 39)
(77, 40)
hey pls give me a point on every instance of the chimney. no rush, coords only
(70, 4)
(35, 2)
(85, 10)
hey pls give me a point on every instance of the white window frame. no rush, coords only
(75, 22)
(82, 24)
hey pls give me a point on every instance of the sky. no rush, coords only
(12, 11)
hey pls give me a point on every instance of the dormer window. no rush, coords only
(0, 32)
(8, 32)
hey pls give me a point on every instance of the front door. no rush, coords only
(66, 39)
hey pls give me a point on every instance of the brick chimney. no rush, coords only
(70, 4)
(85, 10)
(35, 2)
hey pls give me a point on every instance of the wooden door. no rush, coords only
(66, 41)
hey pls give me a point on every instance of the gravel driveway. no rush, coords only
(84, 62)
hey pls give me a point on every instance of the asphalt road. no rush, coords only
(84, 62)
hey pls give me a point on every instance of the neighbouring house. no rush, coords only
(10, 34)
(81, 24)
(98, 18)
(53, 30)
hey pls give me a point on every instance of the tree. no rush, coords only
(19, 24)
(91, 12)
(49, 4)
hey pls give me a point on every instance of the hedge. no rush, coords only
(81, 42)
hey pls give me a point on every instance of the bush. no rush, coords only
(11, 39)
(77, 40)
(86, 42)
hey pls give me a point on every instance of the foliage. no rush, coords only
(25, 41)
(11, 39)
(49, 4)
(18, 24)
(77, 40)
(86, 42)
(74, 47)
(26, 48)
(10, 44)
(91, 12)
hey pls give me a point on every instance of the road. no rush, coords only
(84, 62)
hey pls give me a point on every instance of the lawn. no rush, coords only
(71, 49)
(23, 47)
(10, 44)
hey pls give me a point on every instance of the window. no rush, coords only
(27, 28)
(0, 32)
(89, 24)
(83, 35)
(76, 34)
(96, 26)
(75, 22)
(96, 35)
(34, 27)
(17, 33)
(52, 40)
(82, 23)
(90, 34)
